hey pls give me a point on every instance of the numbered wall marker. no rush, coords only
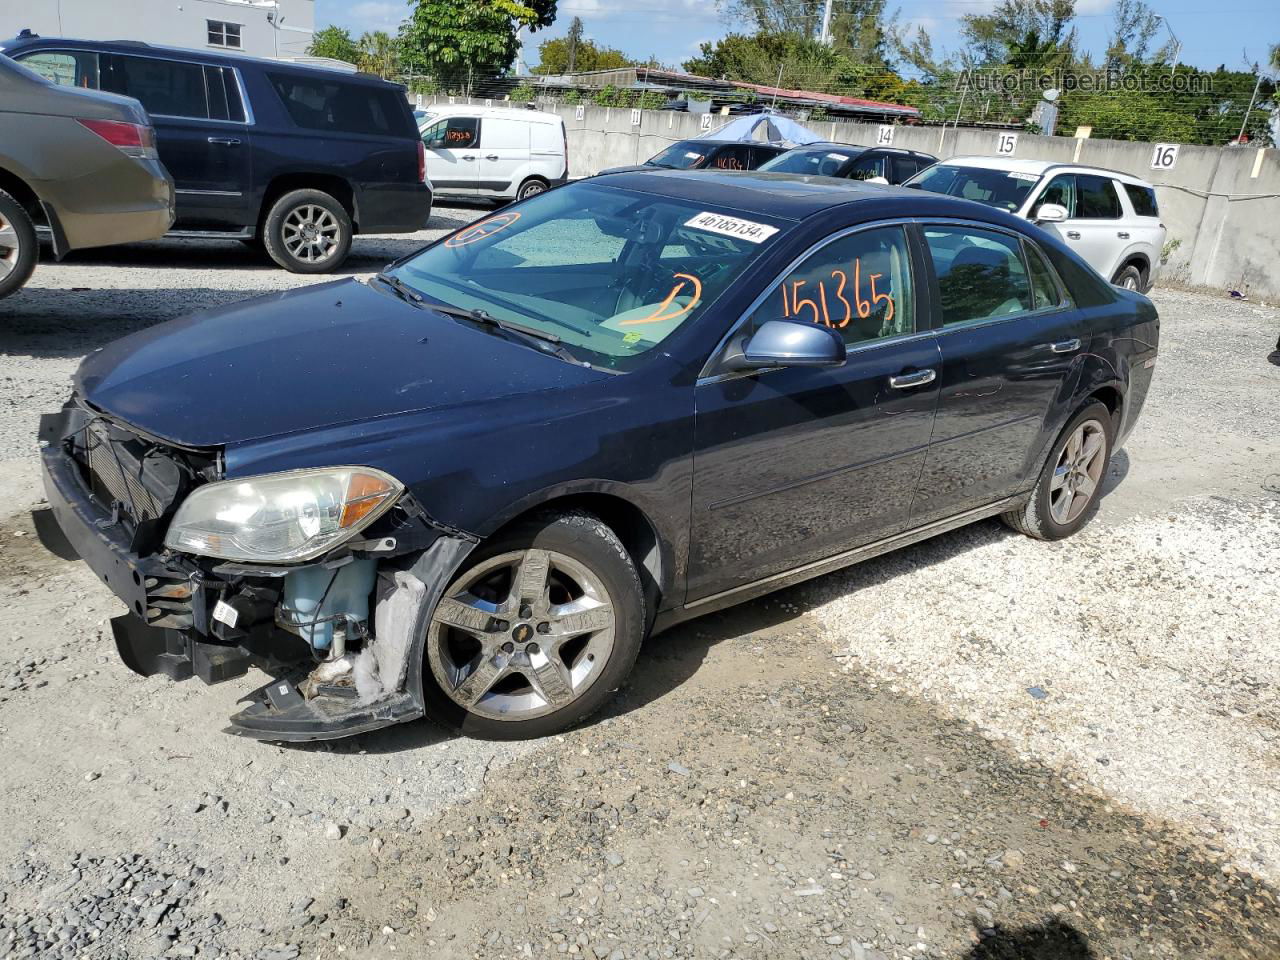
(580, 113)
(705, 122)
(1007, 144)
(1164, 156)
(419, 101)
(884, 135)
(635, 118)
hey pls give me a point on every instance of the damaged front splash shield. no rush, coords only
(391, 689)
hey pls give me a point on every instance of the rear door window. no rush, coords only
(980, 274)
(339, 107)
(167, 88)
(1143, 200)
(864, 168)
(1096, 198)
(71, 68)
(1044, 292)
(904, 168)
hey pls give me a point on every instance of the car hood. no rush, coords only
(329, 354)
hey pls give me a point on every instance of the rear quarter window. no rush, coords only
(337, 107)
(1143, 200)
(1087, 289)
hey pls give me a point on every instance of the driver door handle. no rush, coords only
(1065, 346)
(225, 141)
(1073, 234)
(468, 156)
(917, 378)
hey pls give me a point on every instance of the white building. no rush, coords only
(262, 28)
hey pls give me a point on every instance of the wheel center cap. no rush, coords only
(522, 633)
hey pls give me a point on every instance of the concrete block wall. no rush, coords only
(1221, 205)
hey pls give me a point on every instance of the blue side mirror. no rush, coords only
(789, 343)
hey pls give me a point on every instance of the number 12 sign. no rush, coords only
(1007, 143)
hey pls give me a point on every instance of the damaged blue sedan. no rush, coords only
(471, 485)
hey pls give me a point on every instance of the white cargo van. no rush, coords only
(503, 153)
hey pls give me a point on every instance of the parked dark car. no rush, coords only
(607, 409)
(882, 164)
(295, 159)
(79, 162)
(709, 155)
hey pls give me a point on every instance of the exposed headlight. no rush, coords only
(281, 517)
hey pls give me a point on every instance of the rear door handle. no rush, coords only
(1065, 346)
(491, 156)
(225, 141)
(917, 378)
(1123, 235)
(1073, 234)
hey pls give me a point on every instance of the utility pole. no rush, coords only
(825, 36)
(1252, 100)
(575, 34)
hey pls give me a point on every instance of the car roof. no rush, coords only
(493, 112)
(18, 44)
(789, 196)
(1040, 167)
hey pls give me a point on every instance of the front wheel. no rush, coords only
(1068, 489)
(18, 248)
(307, 231)
(537, 632)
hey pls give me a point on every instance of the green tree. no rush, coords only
(554, 56)
(468, 38)
(1025, 34)
(334, 43)
(858, 27)
(379, 54)
(1133, 27)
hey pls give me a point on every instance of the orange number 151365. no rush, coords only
(793, 304)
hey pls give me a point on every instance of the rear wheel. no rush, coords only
(18, 248)
(537, 632)
(1130, 278)
(531, 188)
(307, 231)
(1067, 492)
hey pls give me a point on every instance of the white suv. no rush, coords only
(1109, 218)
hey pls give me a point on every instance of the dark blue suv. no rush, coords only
(293, 159)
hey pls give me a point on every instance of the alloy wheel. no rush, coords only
(532, 190)
(521, 635)
(310, 233)
(1078, 472)
(9, 248)
(1130, 283)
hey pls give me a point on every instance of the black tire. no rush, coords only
(298, 205)
(1036, 519)
(1130, 278)
(532, 187)
(19, 249)
(587, 540)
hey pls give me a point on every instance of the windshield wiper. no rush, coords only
(546, 342)
(402, 289)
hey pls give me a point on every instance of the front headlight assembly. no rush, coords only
(281, 517)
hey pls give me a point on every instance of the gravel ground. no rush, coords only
(1072, 759)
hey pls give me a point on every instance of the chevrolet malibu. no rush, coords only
(470, 486)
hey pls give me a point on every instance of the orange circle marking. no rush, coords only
(485, 228)
(669, 309)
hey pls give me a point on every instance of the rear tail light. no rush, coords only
(134, 139)
(422, 162)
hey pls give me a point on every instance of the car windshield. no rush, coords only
(681, 156)
(826, 162)
(609, 272)
(1004, 189)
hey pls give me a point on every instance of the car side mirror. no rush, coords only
(433, 144)
(1051, 213)
(788, 343)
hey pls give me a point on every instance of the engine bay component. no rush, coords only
(329, 607)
